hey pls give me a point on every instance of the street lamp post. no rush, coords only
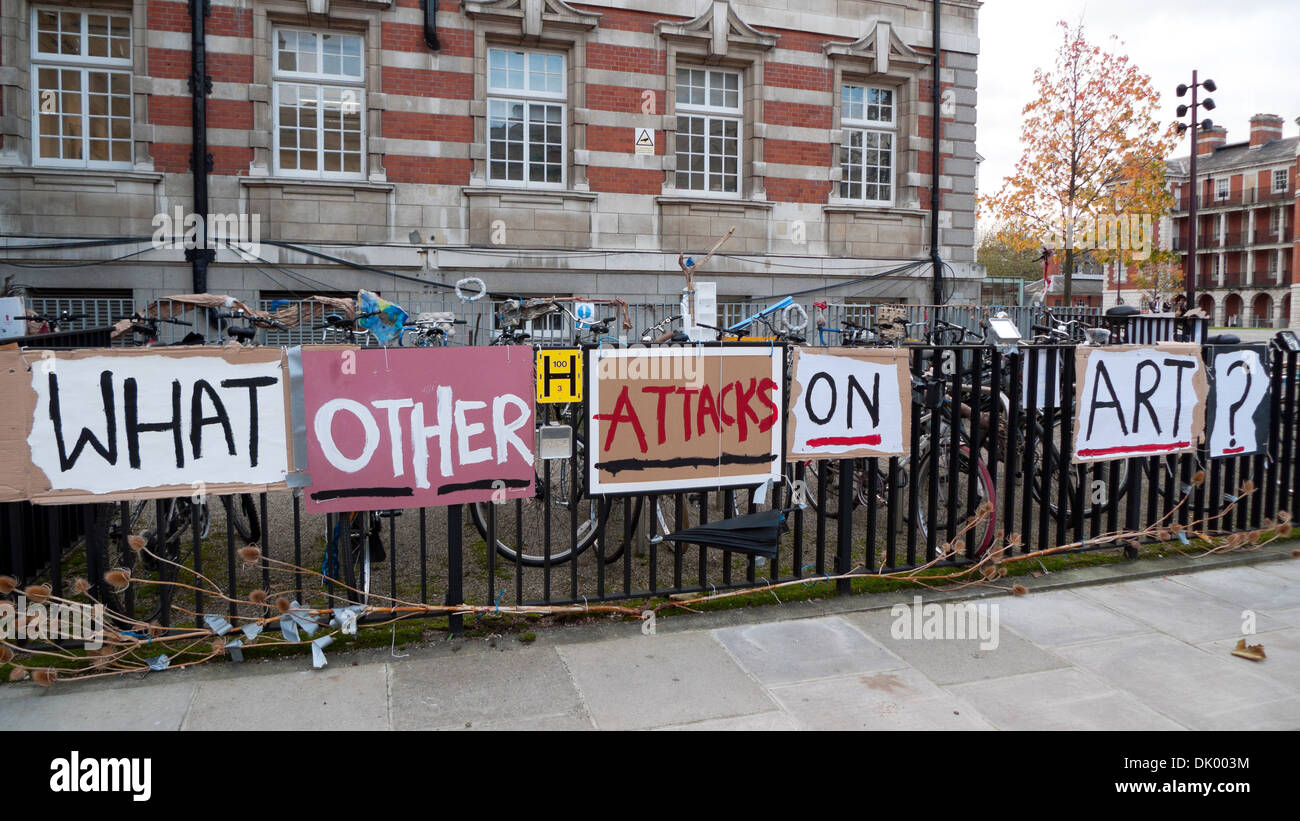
(1194, 126)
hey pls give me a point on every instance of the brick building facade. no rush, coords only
(1246, 214)
(510, 153)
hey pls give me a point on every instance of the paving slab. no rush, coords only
(1174, 608)
(1064, 699)
(1197, 689)
(1291, 617)
(333, 698)
(1282, 648)
(652, 681)
(1288, 568)
(951, 661)
(1248, 587)
(775, 720)
(893, 700)
(528, 685)
(1061, 617)
(148, 707)
(788, 651)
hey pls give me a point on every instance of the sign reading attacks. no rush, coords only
(682, 418)
(559, 375)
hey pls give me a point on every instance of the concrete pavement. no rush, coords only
(1093, 648)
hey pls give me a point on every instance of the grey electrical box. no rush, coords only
(555, 442)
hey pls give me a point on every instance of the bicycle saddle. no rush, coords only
(241, 334)
(1120, 311)
(1224, 339)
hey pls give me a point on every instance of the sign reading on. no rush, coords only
(1239, 408)
(680, 418)
(1138, 400)
(559, 375)
(418, 426)
(126, 424)
(849, 403)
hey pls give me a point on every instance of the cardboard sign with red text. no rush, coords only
(668, 419)
(416, 427)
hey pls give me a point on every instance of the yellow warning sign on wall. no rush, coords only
(559, 375)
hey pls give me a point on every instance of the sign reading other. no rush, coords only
(666, 419)
(416, 427)
(849, 403)
(1138, 401)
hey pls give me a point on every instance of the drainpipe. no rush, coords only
(200, 159)
(431, 24)
(936, 262)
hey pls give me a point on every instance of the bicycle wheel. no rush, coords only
(953, 482)
(241, 514)
(1046, 484)
(520, 524)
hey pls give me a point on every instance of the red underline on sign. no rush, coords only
(873, 439)
(1226, 451)
(1122, 449)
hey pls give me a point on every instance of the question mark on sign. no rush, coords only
(1236, 406)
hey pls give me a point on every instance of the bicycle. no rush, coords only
(52, 323)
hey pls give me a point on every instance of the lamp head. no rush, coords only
(1210, 86)
(1182, 89)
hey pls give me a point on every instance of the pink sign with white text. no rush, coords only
(417, 427)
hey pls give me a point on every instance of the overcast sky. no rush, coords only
(1248, 47)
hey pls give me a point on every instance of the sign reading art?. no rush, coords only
(849, 403)
(667, 419)
(1138, 401)
(129, 424)
(1239, 407)
(417, 427)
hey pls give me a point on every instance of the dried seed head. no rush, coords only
(1295, 554)
(81, 586)
(37, 593)
(257, 597)
(156, 629)
(984, 510)
(120, 578)
(1283, 529)
(250, 554)
(1198, 478)
(1254, 536)
(136, 542)
(8, 584)
(1164, 535)
(17, 674)
(218, 646)
(1177, 528)
(1014, 540)
(282, 604)
(1247, 487)
(1284, 516)
(45, 677)
(1019, 590)
(6, 655)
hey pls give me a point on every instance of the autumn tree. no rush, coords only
(1091, 177)
(1006, 256)
(1158, 278)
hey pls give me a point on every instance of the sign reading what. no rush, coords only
(1239, 400)
(667, 419)
(102, 425)
(849, 403)
(1138, 400)
(417, 427)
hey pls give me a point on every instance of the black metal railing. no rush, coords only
(991, 444)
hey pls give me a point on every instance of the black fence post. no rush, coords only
(455, 593)
(844, 547)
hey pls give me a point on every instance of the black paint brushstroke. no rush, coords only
(615, 466)
(351, 492)
(480, 484)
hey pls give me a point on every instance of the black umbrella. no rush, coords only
(755, 533)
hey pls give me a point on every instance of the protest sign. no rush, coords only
(1239, 408)
(849, 403)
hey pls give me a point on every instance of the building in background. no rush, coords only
(548, 148)
(1245, 232)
